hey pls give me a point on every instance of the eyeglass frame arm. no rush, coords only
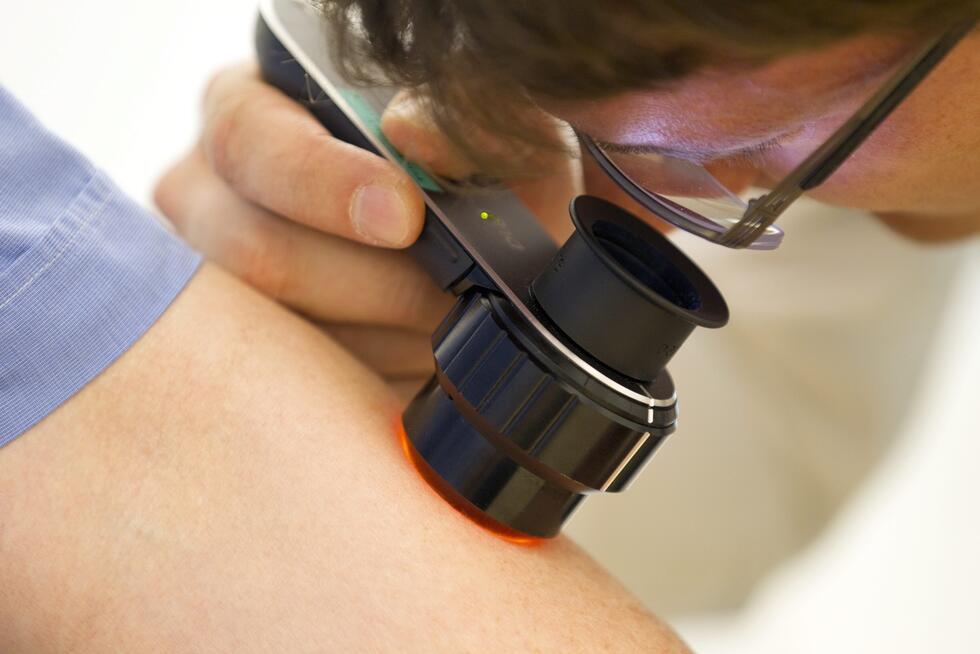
(815, 169)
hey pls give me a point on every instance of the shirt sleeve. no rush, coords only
(84, 271)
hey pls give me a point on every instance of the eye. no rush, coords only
(748, 157)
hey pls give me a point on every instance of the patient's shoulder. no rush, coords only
(234, 479)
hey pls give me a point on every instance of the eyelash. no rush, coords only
(751, 156)
(747, 157)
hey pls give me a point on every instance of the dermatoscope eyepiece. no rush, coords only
(624, 293)
(507, 432)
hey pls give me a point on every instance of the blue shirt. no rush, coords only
(84, 271)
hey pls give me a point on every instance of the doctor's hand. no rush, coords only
(319, 225)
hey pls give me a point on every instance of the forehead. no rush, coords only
(738, 105)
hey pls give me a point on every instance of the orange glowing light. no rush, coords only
(457, 501)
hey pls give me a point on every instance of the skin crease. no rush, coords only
(917, 170)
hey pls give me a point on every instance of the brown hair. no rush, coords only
(477, 63)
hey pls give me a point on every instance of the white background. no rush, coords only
(897, 572)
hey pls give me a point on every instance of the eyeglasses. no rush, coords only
(685, 194)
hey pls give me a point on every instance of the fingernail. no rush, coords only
(379, 215)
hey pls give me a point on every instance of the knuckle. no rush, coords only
(413, 298)
(316, 157)
(164, 195)
(224, 82)
(170, 195)
(256, 256)
(222, 135)
(308, 162)
(213, 86)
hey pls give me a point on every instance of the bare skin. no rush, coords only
(234, 484)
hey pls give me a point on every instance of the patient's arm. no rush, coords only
(233, 484)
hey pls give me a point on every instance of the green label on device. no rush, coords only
(371, 119)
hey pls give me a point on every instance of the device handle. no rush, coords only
(436, 249)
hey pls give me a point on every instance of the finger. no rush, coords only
(274, 153)
(553, 179)
(409, 128)
(393, 353)
(325, 277)
(548, 198)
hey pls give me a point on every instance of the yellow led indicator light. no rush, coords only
(484, 215)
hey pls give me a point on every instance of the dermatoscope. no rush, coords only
(550, 376)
